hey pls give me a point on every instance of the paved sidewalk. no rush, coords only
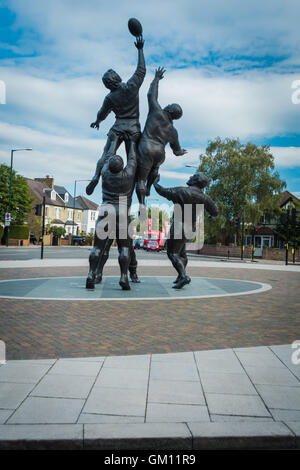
(194, 262)
(226, 398)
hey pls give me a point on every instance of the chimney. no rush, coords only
(46, 181)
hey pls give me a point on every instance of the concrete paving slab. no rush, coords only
(174, 357)
(34, 362)
(172, 371)
(41, 436)
(173, 413)
(12, 394)
(242, 435)
(64, 386)
(180, 392)
(228, 418)
(86, 359)
(4, 415)
(295, 369)
(278, 396)
(87, 368)
(162, 436)
(272, 376)
(21, 373)
(87, 418)
(240, 405)
(37, 410)
(285, 415)
(236, 384)
(221, 360)
(257, 360)
(257, 349)
(116, 401)
(123, 378)
(282, 350)
(128, 362)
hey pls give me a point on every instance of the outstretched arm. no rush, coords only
(210, 206)
(175, 145)
(103, 112)
(153, 89)
(138, 77)
(169, 193)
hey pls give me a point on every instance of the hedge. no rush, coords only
(1, 231)
(20, 232)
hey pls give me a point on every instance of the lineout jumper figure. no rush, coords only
(158, 131)
(117, 188)
(123, 100)
(193, 195)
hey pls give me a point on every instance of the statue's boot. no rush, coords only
(177, 279)
(98, 278)
(182, 282)
(90, 282)
(124, 283)
(134, 277)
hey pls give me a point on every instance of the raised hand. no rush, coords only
(95, 125)
(91, 186)
(139, 44)
(179, 153)
(159, 73)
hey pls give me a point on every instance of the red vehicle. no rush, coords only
(152, 246)
(156, 236)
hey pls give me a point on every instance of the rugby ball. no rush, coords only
(135, 27)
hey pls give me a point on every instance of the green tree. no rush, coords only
(58, 231)
(21, 199)
(243, 183)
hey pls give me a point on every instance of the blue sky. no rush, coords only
(230, 65)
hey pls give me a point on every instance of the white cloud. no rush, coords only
(286, 157)
(54, 91)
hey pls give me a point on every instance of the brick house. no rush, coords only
(265, 233)
(60, 208)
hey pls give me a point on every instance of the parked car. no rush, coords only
(78, 240)
(137, 244)
(153, 246)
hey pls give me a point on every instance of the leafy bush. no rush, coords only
(20, 232)
(58, 231)
(89, 239)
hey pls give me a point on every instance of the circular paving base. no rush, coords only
(151, 287)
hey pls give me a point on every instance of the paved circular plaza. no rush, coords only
(150, 287)
(45, 327)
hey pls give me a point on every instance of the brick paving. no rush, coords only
(34, 329)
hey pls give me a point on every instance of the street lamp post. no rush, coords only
(10, 186)
(75, 182)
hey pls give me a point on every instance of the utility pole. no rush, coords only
(287, 237)
(242, 242)
(43, 228)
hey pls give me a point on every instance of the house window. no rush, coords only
(93, 215)
(57, 212)
(66, 197)
(53, 195)
(46, 211)
(78, 215)
(70, 214)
